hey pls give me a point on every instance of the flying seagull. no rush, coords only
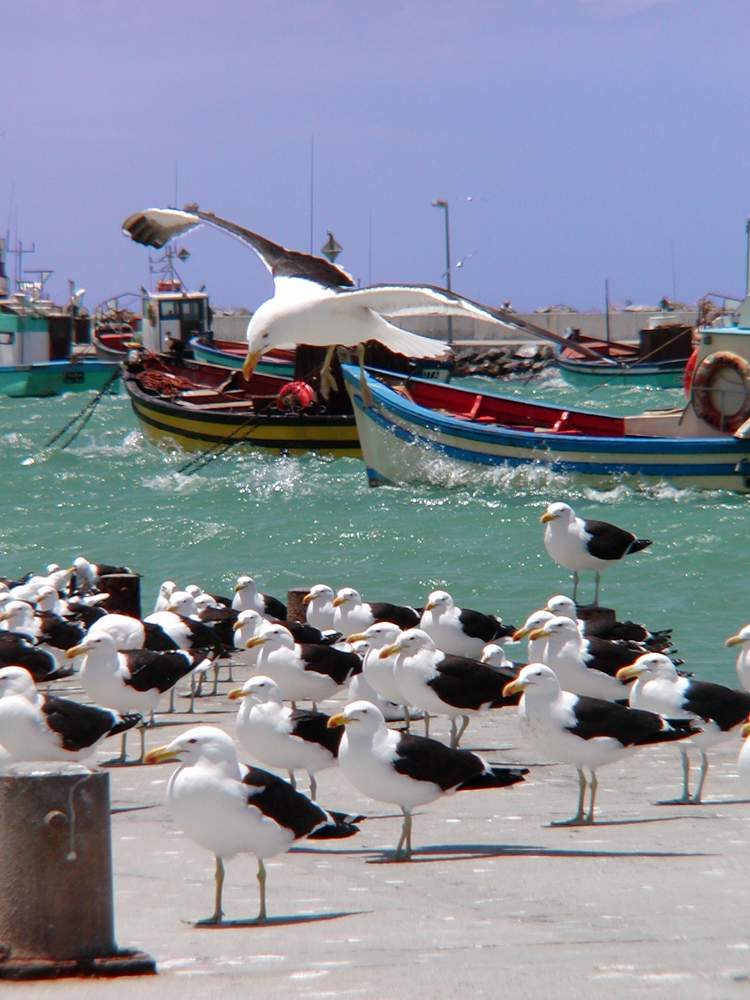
(316, 302)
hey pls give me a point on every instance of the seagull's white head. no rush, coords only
(412, 641)
(440, 600)
(359, 717)
(272, 637)
(649, 666)
(536, 620)
(378, 635)
(742, 637)
(245, 583)
(16, 613)
(535, 677)
(259, 690)
(17, 681)
(199, 743)
(321, 593)
(557, 512)
(94, 641)
(46, 599)
(557, 627)
(194, 590)
(562, 605)
(167, 588)
(347, 596)
(493, 655)
(182, 603)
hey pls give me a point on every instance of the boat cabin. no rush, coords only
(33, 333)
(172, 316)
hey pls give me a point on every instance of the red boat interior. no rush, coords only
(516, 414)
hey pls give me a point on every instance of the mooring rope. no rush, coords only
(83, 417)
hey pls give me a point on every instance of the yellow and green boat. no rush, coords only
(198, 407)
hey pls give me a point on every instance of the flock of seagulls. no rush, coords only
(590, 691)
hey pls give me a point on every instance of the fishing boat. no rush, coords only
(37, 351)
(232, 353)
(198, 407)
(414, 431)
(657, 359)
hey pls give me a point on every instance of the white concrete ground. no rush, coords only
(652, 901)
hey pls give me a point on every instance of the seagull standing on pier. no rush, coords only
(581, 544)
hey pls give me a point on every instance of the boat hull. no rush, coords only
(171, 423)
(403, 442)
(54, 378)
(268, 365)
(665, 375)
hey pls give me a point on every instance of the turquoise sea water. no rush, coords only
(289, 522)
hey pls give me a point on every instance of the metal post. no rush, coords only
(441, 203)
(56, 914)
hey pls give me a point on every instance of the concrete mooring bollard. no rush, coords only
(594, 613)
(56, 914)
(124, 591)
(295, 609)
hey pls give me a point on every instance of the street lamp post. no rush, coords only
(441, 203)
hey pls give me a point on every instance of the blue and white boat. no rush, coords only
(416, 431)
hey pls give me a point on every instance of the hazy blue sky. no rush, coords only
(574, 139)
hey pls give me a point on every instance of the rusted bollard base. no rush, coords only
(122, 963)
(594, 612)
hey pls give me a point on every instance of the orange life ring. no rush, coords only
(707, 397)
(295, 395)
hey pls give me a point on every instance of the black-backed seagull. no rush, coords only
(353, 614)
(720, 710)
(131, 680)
(585, 732)
(282, 737)
(247, 595)
(742, 638)
(36, 726)
(581, 544)
(442, 684)
(602, 628)
(232, 809)
(318, 604)
(303, 671)
(460, 631)
(585, 666)
(408, 771)
(537, 648)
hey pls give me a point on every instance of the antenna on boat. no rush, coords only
(312, 188)
(747, 258)
(606, 308)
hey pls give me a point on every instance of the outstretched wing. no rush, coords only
(157, 226)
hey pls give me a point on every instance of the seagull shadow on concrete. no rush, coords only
(703, 802)
(281, 921)
(472, 852)
(632, 821)
(129, 809)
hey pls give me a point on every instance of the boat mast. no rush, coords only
(606, 307)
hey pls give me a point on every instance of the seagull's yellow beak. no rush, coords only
(546, 516)
(519, 634)
(745, 731)
(336, 720)
(539, 633)
(236, 693)
(161, 755)
(429, 606)
(337, 602)
(734, 640)
(257, 640)
(629, 673)
(513, 687)
(356, 637)
(307, 598)
(74, 651)
(248, 365)
(388, 651)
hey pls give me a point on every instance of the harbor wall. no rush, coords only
(623, 325)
